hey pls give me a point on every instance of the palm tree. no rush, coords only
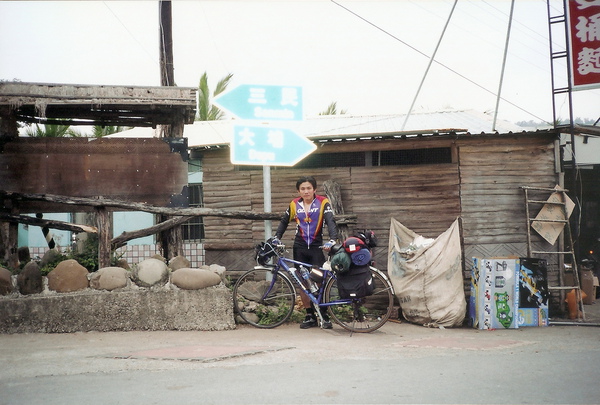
(207, 111)
(98, 131)
(332, 109)
(51, 131)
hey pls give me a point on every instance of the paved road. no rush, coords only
(400, 363)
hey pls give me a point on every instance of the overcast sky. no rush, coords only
(368, 56)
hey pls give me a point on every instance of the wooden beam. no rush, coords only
(131, 206)
(63, 226)
(168, 224)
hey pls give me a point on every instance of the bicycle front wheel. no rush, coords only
(364, 314)
(264, 299)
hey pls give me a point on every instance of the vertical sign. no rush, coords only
(584, 36)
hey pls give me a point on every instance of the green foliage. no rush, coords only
(51, 131)
(88, 257)
(297, 316)
(270, 314)
(332, 109)
(206, 110)
(98, 131)
(51, 265)
(343, 311)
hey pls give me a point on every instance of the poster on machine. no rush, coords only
(494, 293)
(533, 292)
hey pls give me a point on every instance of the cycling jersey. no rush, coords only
(309, 225)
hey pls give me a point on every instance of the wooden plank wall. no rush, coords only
(492, 172)
(409, 194)
(425, 198)
(482, 187)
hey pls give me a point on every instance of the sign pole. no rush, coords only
(265, 145)
(267, 199)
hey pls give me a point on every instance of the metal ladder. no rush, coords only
(561, 252)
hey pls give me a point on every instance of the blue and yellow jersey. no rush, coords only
(309, 225)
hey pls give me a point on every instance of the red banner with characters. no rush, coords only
(584, 33)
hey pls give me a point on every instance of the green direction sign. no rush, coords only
(263, 102)
(265, 146)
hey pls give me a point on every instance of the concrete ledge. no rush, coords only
(206, 309)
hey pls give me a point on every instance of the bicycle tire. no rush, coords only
(365, 314)
(270, 311)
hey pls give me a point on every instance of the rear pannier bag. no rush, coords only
(356, 283)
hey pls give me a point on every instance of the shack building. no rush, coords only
(423, 178)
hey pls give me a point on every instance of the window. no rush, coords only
(377, 158)
(401, 157)
(193, 230)
(343, 159)
(412, 157)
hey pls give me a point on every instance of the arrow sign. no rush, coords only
(263, 102)
(264, 146)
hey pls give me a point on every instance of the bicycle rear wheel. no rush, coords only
(365, 314)
(262, 302)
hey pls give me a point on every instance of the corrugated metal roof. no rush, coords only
(329, 127)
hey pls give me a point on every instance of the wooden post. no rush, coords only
(172, 239)
(334, 194)
(9, 129)
(9, 235)
(104, 236)
(166, 44)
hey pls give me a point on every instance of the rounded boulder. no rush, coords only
(29, 280)
(194, 279)
(68, 276)
(109, 278)
(178, 262)
(6, 286)
(150, 272)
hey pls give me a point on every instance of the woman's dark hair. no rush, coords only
(305, 179)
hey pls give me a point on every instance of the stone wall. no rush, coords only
(205, 309)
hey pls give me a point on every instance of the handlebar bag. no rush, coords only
(357, 282)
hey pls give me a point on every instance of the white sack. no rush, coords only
(427, 276)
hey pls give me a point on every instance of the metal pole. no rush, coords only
(267, 199)
(428, 66)
(512, 7)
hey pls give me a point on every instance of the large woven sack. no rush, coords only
(427, 276)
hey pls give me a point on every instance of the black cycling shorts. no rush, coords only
(309, 254)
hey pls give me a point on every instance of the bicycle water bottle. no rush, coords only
(306, 276)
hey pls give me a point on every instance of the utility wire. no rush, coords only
(510, 19)
(130, 33)
(431, 60)
(439, 63)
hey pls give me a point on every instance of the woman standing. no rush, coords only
(310, 211)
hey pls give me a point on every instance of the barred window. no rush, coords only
(412, 157)
(377, 158)
(193, 230)
(401, 157)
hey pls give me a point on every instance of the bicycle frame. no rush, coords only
(266, 295)
(284, 263)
